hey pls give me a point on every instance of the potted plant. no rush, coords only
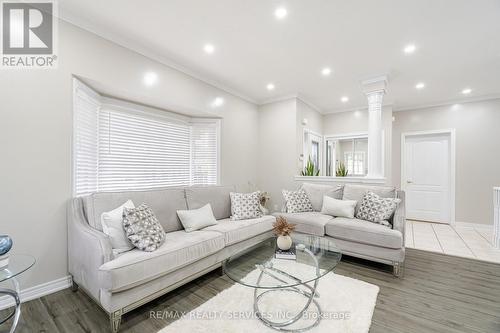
(282, 229)
(310, 169)
(341, 170)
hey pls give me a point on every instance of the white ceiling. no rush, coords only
(458, 45)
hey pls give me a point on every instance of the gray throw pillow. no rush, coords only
(376, 209)
(245, 205)
(142, 228)
(297, 201)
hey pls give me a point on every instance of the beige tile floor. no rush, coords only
(463, 241)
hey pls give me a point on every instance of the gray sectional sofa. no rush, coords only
(355, 237)
(122, 282)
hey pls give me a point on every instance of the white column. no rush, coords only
(375, 91)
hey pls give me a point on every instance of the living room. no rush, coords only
(159, 157)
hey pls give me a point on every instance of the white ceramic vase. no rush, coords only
(284, 242)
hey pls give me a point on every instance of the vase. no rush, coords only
(284, 242)
(5, 244)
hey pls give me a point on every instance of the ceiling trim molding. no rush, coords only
(449, 102)
(84, 24)
(278, 99)
(361, 108)
(310, 104)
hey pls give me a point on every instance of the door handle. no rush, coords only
(409, 181)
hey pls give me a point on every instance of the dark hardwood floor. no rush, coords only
(438, 293)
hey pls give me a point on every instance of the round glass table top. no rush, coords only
(258, 266)
(18, 263)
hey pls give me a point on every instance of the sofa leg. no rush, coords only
(74, 285)
(115, 319)
(397, 269)
(220, 271)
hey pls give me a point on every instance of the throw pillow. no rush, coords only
(245, 206)
(112, 226)
(142, 228)
(338, 208)
(375, 208)
(196, 219)
(297, 201)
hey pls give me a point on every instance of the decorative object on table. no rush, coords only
(5, 246)
(376, 209)
(245, 206)
(282, 229)
(297, 201)
(310, 169)
(341, 170)
(290, 254)
(264, 199)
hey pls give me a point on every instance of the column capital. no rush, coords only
(375, 85)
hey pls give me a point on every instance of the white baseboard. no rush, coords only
(31, 293)
(473, 225)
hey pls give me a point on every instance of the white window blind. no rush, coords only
(138, 149)
(204, 153)
(85, 124)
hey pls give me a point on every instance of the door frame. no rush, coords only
(452, 135)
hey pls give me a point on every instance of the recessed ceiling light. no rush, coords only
(280, 13)
(270, 86)
(219, 101)
(409, 49)
(420, 85)
(326, 71)
(344, 99)
(150, 78)
(209, 48)
(466, 91)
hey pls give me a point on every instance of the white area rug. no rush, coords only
(347, 305)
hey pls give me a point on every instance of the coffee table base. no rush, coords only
(310, 295)
(17, 310)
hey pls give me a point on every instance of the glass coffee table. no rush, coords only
(18, 263)
(258, 268)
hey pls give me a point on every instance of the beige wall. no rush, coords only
(36, 131)
(477, 152)
(277, 158)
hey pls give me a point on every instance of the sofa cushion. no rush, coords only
(217, 196)
(315, 192)
(237, 231)
(179, 249)
(312, 223)
(165, 203)
(365, 232)
(357, 192)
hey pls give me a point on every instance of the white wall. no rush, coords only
(477, 152)
(277, 158)
(36, 132)
(314, 124)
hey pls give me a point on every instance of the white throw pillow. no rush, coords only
(112, 226)
(196, 219)
(338, 208)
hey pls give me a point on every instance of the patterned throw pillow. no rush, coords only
(245, 206)
(376, 209)
(297, 201)
(142, 228)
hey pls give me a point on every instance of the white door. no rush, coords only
(426, 177)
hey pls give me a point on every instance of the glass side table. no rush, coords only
(18, 263)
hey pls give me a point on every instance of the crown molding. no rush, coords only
(292, 96)
(360, 108)
(449, 102)
(84, 24)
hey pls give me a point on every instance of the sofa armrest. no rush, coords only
(399, 218)
(88, 249)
